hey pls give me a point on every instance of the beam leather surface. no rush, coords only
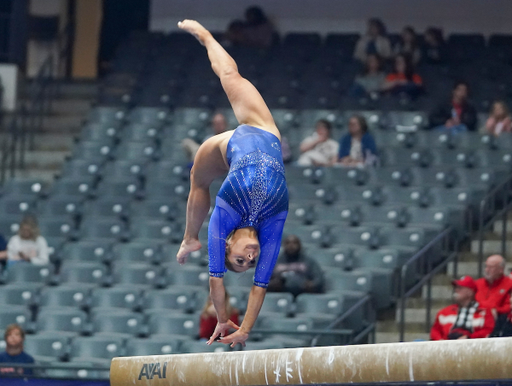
(476, 359)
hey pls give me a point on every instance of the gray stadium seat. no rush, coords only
(64, 296)
(154, 116)
(46, 348)
(188, 276)
(149, 346)
(338, 257)
(194, 346)
(93, 151)
(62, 207)
(19, 294)
(161, 209)
(29, 188)
(103, 229)
(106, 114)
(117, 324)
(116, 298)
(108, 207)
(129, 188)
(277, 303)
(267, 344)
(137, 252)
(406, 120)
(156, 231)
(409, 239)
(123, 170)
(142, 132)
(67, 322)
(17, 206)
(76, 169)
(97, 349)
(82, 187)
(322, 308)
(28, 273)
(171, 299)
(358, 282)
(176, 325)
(14, 314)
(87, 251)
(236, 280)
(140, 276)
(89, 275)
(136, 151)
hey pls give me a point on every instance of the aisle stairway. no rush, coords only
(415, 313)
(60, 126)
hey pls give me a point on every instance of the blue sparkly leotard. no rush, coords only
(254, 194)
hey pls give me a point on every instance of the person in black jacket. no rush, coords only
(295, 272)
(457, 115)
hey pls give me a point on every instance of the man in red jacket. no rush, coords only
(493, 290)
(465, 319)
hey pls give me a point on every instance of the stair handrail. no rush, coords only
(421, 258)
(488, 206)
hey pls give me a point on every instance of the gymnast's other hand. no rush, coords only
(237, 337)
(221, 330)
(194, 28)
(187, 246)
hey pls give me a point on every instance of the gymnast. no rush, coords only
(247, 222)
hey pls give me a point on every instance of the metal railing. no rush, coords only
(497, 203)
(423, 264)
(66, 370)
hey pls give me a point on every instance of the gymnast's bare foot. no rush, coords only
(194, 28)
(187, 247)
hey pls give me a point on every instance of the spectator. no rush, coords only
(434, 47)
(499, 119)
(494, 288)
(372, 78)
(357, 147)
(457, 115)
(403, 80)
(219, 125)
(256, 31)
(408, 45)
(318, 149)
(28, 245)
(3, 250)
(503, 325)
(465, 319)
(208, 318)
(14, 337)
(374, 41)
(295, 272)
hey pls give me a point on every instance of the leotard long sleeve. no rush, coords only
(253, 194)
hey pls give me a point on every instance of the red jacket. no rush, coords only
(482, 326)
(207, 324)
(496, 295)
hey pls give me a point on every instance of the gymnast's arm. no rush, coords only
(247, 103)
(208, 165)
(270, 235)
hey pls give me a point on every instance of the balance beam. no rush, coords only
(459, 360)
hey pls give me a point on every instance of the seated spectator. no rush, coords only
(434, 47)
(499, 119)
(403, 80)
(295, 272)
(208, 318)
(465, 319)
(357, 147)
(408, 45)
(219, 125)
(318, 149)
(28, 245)
(494, 288)
(371, 79)
(256, 31)
(456, 115)
(503, 325)
(3, 250)
(374, 41)
(14, 337)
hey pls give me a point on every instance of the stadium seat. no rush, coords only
(105, 114)
(174, 325)
(277, 303)
(67, 322)
(61, 207)
(21, 206)
(89, 275)
(102, 229)
(130, 188)
(322, 308)
(137, 252)
(24, 273)
(20, 294)
(108, 207)
(358, 282)
(117, 324)
(156, 231)
(167, 209)
(194, 346)
(46, 348)
(21, 188)
(87, 251)
(136, 276)
(149, 346)
(98, 350)
(187, 276)
(169, 299)
(120, 170)
(65, 296)
(116, 298)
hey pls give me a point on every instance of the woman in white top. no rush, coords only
(28, 245)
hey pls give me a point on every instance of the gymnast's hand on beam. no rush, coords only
(221, 330)
(187, 246)
(237, 337)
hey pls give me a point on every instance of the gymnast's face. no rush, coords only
(244, 249)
